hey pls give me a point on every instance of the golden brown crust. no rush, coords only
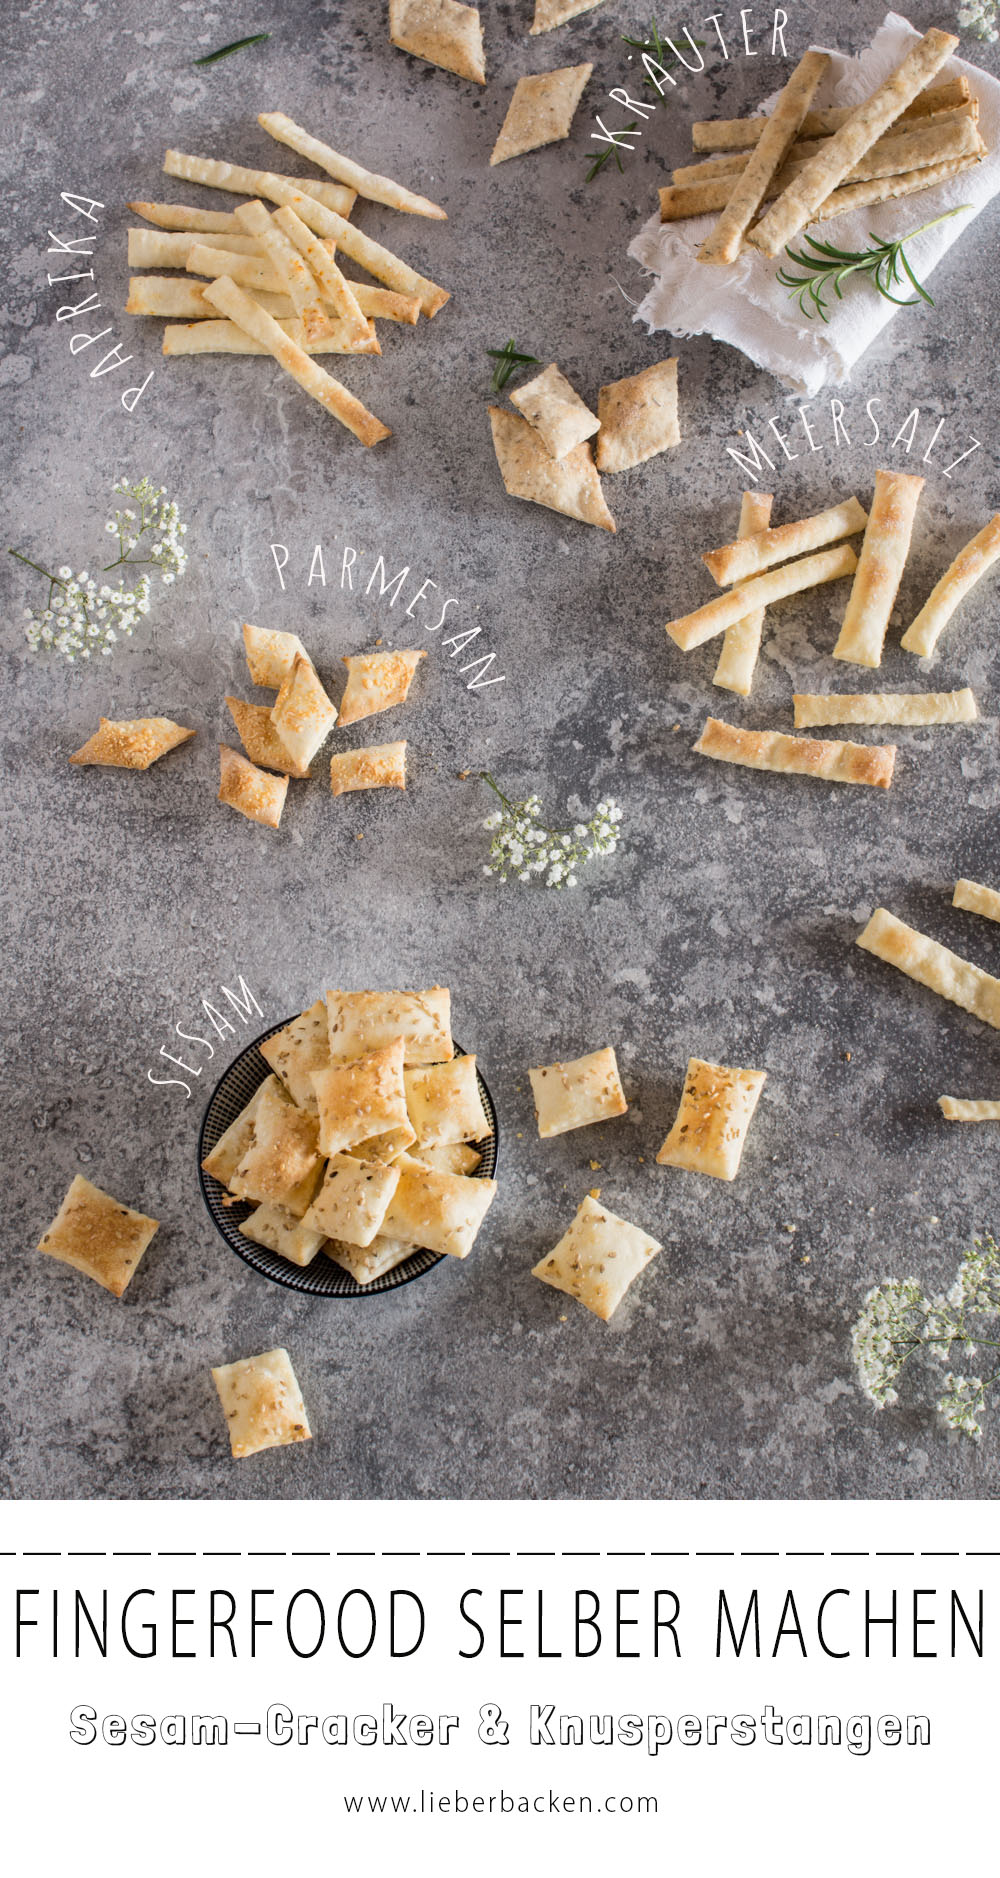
(378, 766)
(880, 568)
(98, 1236)
(932, 965)
(798, 756)
(131, 743)
(262, 1403)
(716, 1109)
(777, 584)
(754, 554)
(597, 1259)
(376, 681)
(251, 791)
(259, 738)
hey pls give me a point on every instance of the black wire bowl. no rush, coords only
(321, 1279)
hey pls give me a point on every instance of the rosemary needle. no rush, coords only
(884, 263)
(508, 361)
(237, 45)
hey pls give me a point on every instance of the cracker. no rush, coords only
(280, 1231)
(741, 641)
(251, 791)
(366, 1263)
(798, 756)
(364, 182)
(970, 897)
(571, 485)
(297, 1051)
(131, 743)
(442, 1212)
(541, 111)
(360, 1098)
(573, 1095)
(933, 965)
(555, 411)
(295, 276)
(954, 1109)
(442, 32)
(266, 183)
(352, 1201)
(741, 133)
(98, 1236)
(884, 707)
(262, 1403)
(694, 628)
(969, 566)
(376, 681)
(360, 1021)
(378, 766)
(597, 1259)
(223, 1160)
(711, 1126)
(205, 336)
(444, 1103)
(638, 417)
(271, 655)
(451, 1157)
(318, 255)
(550, 13)
(726, 239)
(260, 740)
(385, 1147)
(231, 301)
(302, 715)
(798, 204)
(282, 1164)
(754, 554)
(880, 568)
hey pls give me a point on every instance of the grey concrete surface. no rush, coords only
(724, 927)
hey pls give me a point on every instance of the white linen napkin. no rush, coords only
(746, 307)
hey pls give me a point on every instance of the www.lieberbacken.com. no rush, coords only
(376, 1804)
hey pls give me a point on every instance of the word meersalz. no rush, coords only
(349, 573)
(917, 437)
(80, 248)
(241, 1001)
(692, 60)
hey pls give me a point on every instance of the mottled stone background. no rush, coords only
(725, 927)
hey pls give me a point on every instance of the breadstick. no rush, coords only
(741, 642)
(316, 253)
(295, 277)
(970, 897)
(955, 1110)
(741, 133)
(243, 182)
(880, 568)
(726, 239)
(205, 335)
(752, 555)
(234, 304)
(798, 756)
(694, 628)
(883, 707)
(364, 182)
(970, 565)
(932, 965)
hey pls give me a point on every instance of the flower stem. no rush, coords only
(54, 578)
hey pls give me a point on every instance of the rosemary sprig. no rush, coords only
(884, 263)
(656, 50)
(509, 361)
(613, 150)
(237, 45)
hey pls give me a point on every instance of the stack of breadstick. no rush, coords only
(267, 280)
(757, 570)
(810, 166)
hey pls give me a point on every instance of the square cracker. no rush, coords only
(712, 1121)
(571, 485)
(351, 1204)
(549, 13)
(282, 1163)
(378, 766)
(361, 1098)
(555, 411)
(451, 1157)
(259, 738)
(223, 1160)
(302, 714)
(97, 1235)
(442, 32)
(440, 1211)
(280, 1231)
(541, 111)
(638, 417)
(368, 1020)
(572, 1095)
(375, 682)
(262, 1403)
(597, 1259)
(251, 791)
(366, 1263)
(271, 655)
(295, 1052)
(444, 1103)
(131, 743)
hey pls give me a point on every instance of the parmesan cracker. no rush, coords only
(250, 790)
(376, 681)
(131, 742)
(379, 766)
(260, 740)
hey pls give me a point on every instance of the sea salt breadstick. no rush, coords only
(741, 642)
(800, 201)
(884, 707)
(753, 554)
(880, 568)
(970, 897)
(970, 565)
(955, 1110)
(932, 965)
(741, 133)
(726, 239)
(798, 756)
(694, 628)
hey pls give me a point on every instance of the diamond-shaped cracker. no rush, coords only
(257, 795)
(549, 13)
(262, 1403)
(556, 411)
(713, 1118)
(571, 485)
(375, 682)
(597, 1259)
(259, 738)
(131, 743)
(98, 1235)
(541, 111)
(271, 655)
(442, 32)
(302, 713)
(638, 417)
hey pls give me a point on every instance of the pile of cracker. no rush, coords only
(268, 282)
(359, 1143)
(813, 165)
(759, 568)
